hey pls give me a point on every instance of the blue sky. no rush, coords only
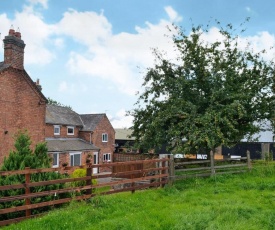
(92, 54)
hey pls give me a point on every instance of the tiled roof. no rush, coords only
(62, 115)
(90, 121)
(68, 144)
(123, 134)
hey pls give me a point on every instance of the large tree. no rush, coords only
(212, 94)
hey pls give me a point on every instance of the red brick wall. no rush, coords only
(105, 147)
(20, 109)
(65, 157)
(63, 131)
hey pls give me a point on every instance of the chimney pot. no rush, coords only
(14, 49)
(11, 32)
(18, 35)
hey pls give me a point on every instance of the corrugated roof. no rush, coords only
(90, 121)
(123, 134)
(68, 144)
(62, 115)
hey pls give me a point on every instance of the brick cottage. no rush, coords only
(72, 138)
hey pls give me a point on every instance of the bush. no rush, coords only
(81, 173)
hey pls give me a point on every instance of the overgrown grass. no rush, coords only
(243, 201)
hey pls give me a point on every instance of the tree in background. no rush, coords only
(23, 157)
(53, 102)
(213, 94)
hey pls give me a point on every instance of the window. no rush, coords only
(56, 129)
(70, 130)
(104, 137)
(75, 159)
(107, 157)
(55, 160)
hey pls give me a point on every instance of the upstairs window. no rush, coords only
(70, 130)
(104, 137)
(56, 129)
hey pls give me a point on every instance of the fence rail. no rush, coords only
(204, 168)
(125, 176)
(129, 180)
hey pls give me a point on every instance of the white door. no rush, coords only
(95, 157)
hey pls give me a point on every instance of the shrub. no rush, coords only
(81, 173)
(23, 157)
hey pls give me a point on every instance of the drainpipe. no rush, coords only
(91, 137)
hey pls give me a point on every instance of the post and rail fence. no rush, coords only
(125, 176)
(154, 176)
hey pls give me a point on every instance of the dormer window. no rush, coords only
(56, 129)
(70, 130)
(104, 137)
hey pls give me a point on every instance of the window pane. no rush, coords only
(55, 159)
(72, 160)
(76, 159)
(105, 137)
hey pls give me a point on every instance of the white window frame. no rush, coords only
(70, 127)
(56, 127)
(107, 157)
(73, 154)
(104, 137)
(57, 160)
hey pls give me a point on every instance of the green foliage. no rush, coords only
(243, 201)
(53, 102)
(212, 94)
(81, 173)
(23, 157)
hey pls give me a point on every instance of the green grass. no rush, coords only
(243, 201)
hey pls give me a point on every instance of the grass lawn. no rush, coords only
(243, 201)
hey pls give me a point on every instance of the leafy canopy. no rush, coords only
(54, 102)
(212, 94)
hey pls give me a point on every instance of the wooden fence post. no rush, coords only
(163, 172)
(132, 177)
(27, 192)
(89, 180)
(249, 165)
(212, 163)
(171, 169)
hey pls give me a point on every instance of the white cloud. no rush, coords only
(113, 57)
(35, 33)
(173, 15)
(43, 3)
(88, 28)
(262, 41)
(59, 43)
(121, 120)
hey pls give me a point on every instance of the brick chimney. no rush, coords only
(14, 50)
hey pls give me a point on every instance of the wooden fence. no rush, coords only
(121, 157)
(126, 176)
(211, 167)
(126, 180)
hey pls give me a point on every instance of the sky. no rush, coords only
(93, 54)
